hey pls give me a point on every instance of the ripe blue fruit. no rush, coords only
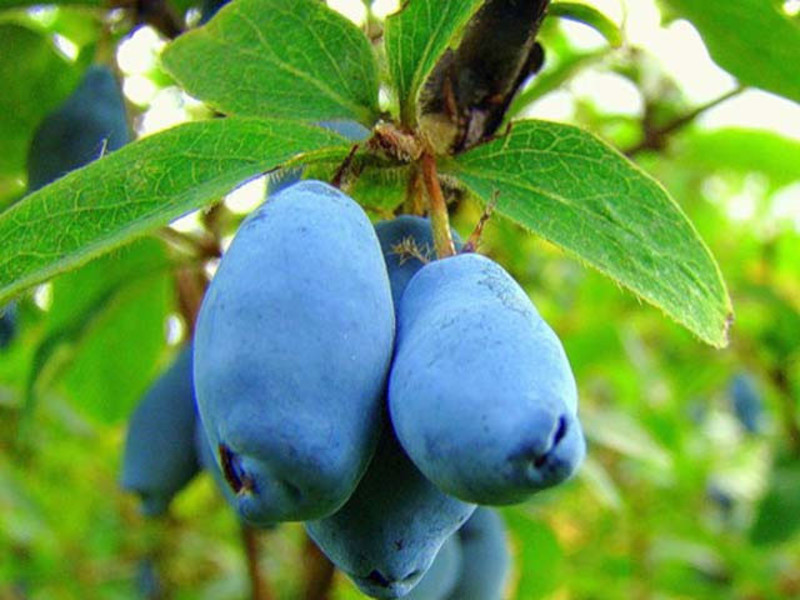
(402, 266)
(148, 579)
(208, 462)
(352, 130)
(747, 404)
(484, 557)
(292, 348)
(443, 574)
(90, 122)
(389, 532)
(160, 457)
(481, 394)
(8, 324)
(209, 8)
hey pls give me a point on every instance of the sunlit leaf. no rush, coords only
(752, 39)
(743, 151)
(269, 58)
(35, 78)
(142, 186)
(571, 188)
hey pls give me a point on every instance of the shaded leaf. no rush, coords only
(539, 553)
(377, 188)
(566, 185)
(416, 37)
(118, 301)
(107, 385)
(269, 58)
(742, 150)
(4, 4)
(621, 433)
(752, 39)
(778, 514)
(35, 78)
(143, 186)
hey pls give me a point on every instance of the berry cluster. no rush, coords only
(344, 382)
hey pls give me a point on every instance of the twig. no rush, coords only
(437, 208)
(202, 247)
(788, 409)
(260, 589)
(336, 181)
(475, 237)
(655, 138)
(413, 204)
(160, 15)
(318, 573)
(190, 284)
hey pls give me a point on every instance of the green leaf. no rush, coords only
(415, 38)
(752, 39)
(35, 78)
(741, 150)
(538, 552)
(588, 15)
(381, 189)
(270, 58)
(5, 4)
(778, 514)
(121, 301)
(107, 385)
(579, 193)
(142, 186)
(619, 431)
(377, 188)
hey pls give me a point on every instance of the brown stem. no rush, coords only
(413, 203)
(260, 589)
(338, 177)
(654, 138)
(191, 286)
(318, 572)
(437, 208)
(203, 247)
(788, 409)
(475, 237)
(160, 15)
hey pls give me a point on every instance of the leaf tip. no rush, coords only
(726, 329)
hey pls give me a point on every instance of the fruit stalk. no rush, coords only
(437, 209)
(318, 573)
(259, 587)
(788, 410)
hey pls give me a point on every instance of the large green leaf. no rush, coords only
(752, 39)
(574, 190)
(35, 78)
(270, 58)
(416, 37)
(142, 186)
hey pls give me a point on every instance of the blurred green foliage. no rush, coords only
(676, 499)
